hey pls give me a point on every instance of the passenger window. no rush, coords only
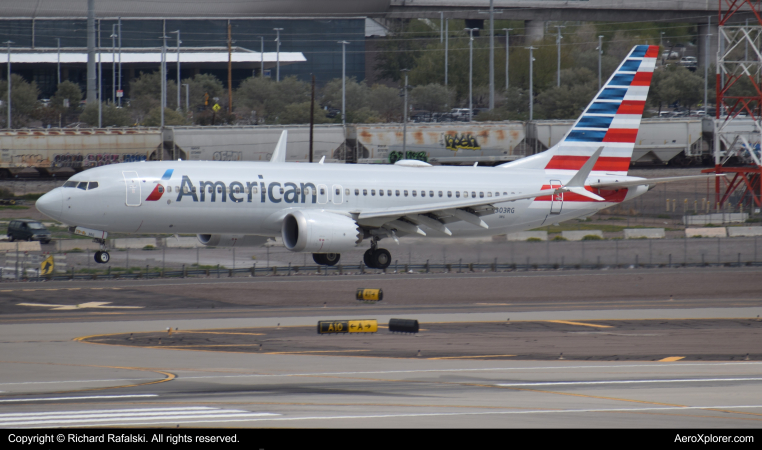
(161, 189)
(431, 193)
(193, 189)
(489, 194)
(219, 190)
(253, 190)
(372, 192)
(440, 193)
(346, 191)
(211, 190)
(169, 188)
(338, 191)
(481, 194)
(70, 184)
(473, 194)
(185, 189)
(397, 193)
(92, 185)
(449, 193)
(423, 193)
(497, 194)
(298, 191)
(364, 192)
(82, 185)
(357, 192)
(413, 193)
(405, 192)
(457, 194)
(381, 192)
(389, 192)
(505, 193)
(237, 190)
(322, 191)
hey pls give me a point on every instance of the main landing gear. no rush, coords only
(102, 256)
(377, 258)
(326, 259)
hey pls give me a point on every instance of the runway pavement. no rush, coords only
(633, 357)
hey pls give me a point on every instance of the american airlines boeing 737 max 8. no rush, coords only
(325, 209)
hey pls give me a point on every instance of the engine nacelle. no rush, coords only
(231, 240)
(320, 232)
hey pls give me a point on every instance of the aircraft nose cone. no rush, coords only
(51, 204)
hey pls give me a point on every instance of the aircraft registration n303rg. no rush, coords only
(325, 209)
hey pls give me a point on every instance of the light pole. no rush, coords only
(491, 55)
(178, 67)
(343, 82)
(447, 42)
(10, 122)
(58, 64)
(277, 40)
(558, 44)
(507, 46)
(441, 26)
(119, 83)
(531, 90)
(163, 77)
(100, 78)
(706, 68)
(470, 72)
(262, 57)
(187, 97)
(600, 52)
(404, 116)
(113, 63)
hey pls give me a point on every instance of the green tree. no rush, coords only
(356, 94)
(111, 115)
(145, 94)
(171, 117)
(269, 99)
(23, 100)
(387, 103)
(300, 113)
(432, 97)
(66, 90)
(676, 84)
(201, 84)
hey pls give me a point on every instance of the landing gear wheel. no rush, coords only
(10, 238)
(331, 259)
(102, 257)
(318, 258)
(381, 258)
(368, 259)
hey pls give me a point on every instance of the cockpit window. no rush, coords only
(82, 185)
(71, 184)
(92, 185)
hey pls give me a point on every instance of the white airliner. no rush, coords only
(325, 209)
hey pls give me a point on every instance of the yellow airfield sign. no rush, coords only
(46, 268)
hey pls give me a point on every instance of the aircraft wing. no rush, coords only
(649, 181)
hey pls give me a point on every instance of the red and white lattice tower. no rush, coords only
(738, 120)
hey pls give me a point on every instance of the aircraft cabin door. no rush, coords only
(322, 197)
(132, 183)
(557, 200)
(338, 195)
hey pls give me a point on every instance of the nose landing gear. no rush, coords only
(102, 256)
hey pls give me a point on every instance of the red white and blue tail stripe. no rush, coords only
(611, 120)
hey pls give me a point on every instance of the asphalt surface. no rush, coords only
(87, 353)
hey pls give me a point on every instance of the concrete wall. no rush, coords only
(744, 231)
(647, 233)
(706, 232)
(578, 235)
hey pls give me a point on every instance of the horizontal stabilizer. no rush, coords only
(650, 181)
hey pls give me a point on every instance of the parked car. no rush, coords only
(670, 55)
(28, 230)
(689, 61)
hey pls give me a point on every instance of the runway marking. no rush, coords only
(78, 306)
(465, 357)
(493, 304)
(115, 417)
(579, 323)
(216, 332)
(672, 358)
(92, 397)
(204, 345)
(586, 383)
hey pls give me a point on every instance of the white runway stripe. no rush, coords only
(126, 416)
(586, 383)
(56, 399)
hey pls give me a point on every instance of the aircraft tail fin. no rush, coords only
(610, 120)
(279, 154)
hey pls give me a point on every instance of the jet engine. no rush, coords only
(231, 240)
(320, 232)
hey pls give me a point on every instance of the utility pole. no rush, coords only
(706, 66)
(91, 75)
(507, 46)
(404, 116)
(119, 27)
(163, 78)
(312, 114)
(178, 68)
(491, 55)
(277, 61)
(531, 90)
(10, 121)
(58, 64)
(447, 41)
(100, 79)
(441, 26)
(343, 82)
(113, 63)
(262, 57)
(230, 70)
(470, 72)
(558, 44)
(600, 52)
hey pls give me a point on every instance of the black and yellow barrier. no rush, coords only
(347, 326)
(403, 326)
(370, 295)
